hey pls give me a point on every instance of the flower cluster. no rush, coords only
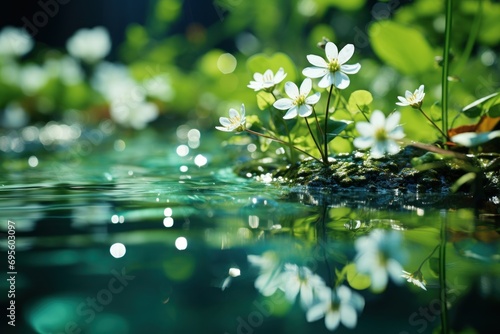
(339, 305)
(381, 134)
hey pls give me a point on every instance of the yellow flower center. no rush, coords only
(380, 134)
(333, 65)
(300, 100)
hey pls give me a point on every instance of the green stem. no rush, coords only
(428, 257)
(442, 277)
(446, 65)
(282, 142)
(326, 123)
(317, 123)
(430, 120)
(474, 31)
(315, 141)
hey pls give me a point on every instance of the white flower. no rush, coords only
(298, 103)
(269, 278)
(379, 256)
(380, 134)
(267, 81)
(32, 78)
(133, 114)
(90, 45)
(337, 307)
(334, 70)
(235, 121)
(414, 100)
(66, 69)
(15, 42)
(297, 279)
(416, 278)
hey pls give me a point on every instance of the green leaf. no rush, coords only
(261, 62)
(402, 47)
(360, 100)
(335, 128)
(492, 106)
(355, 279)
(475, 108)
(264, 100)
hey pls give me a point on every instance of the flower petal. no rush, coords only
(397, 133)
(408, 95)
(313, 99)
(291, 90)
(377, 119)
(306, 296)
(348, 316)
(392, 147)
(314, 72)
(315, 312)
(327, 80)
(392, 121)
(332, 320)
(291, 113)
(306, 86)
(350, 69)
(280, 75)
(346, 53)
(377, 152)
(365, 129)
(341, 80)
(233, 113)
(363, 142)
(283, 104)
(331, 50)
(305, 110)
(317, 61)
(258, 77)
(221, 128)
(224, 121)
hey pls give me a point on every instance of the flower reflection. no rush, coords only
(301, 280)
(416, 278)
(380, 256)
(269, 278)
(337, 306)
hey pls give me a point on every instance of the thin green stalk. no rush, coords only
(315, 141)
(282, 142)
(430, 120)
(317, 123)
(474, 31)
(326, 123)
(446, 65)
(442, 277)
(428, 257)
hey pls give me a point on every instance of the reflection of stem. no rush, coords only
(442, 277)
(446, 64)
(427, 258)
(282, 142)
(323, 229)
(315, 141)
(430, 120)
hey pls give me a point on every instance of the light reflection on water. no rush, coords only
(184, 235)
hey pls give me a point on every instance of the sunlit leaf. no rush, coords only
(466, 178)
(359, 100)
(346, 5)
(264, 100)
(357, 280)
(402, 47)
(492, 106)
(475, 108)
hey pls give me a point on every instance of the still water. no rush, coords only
(153, 233)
